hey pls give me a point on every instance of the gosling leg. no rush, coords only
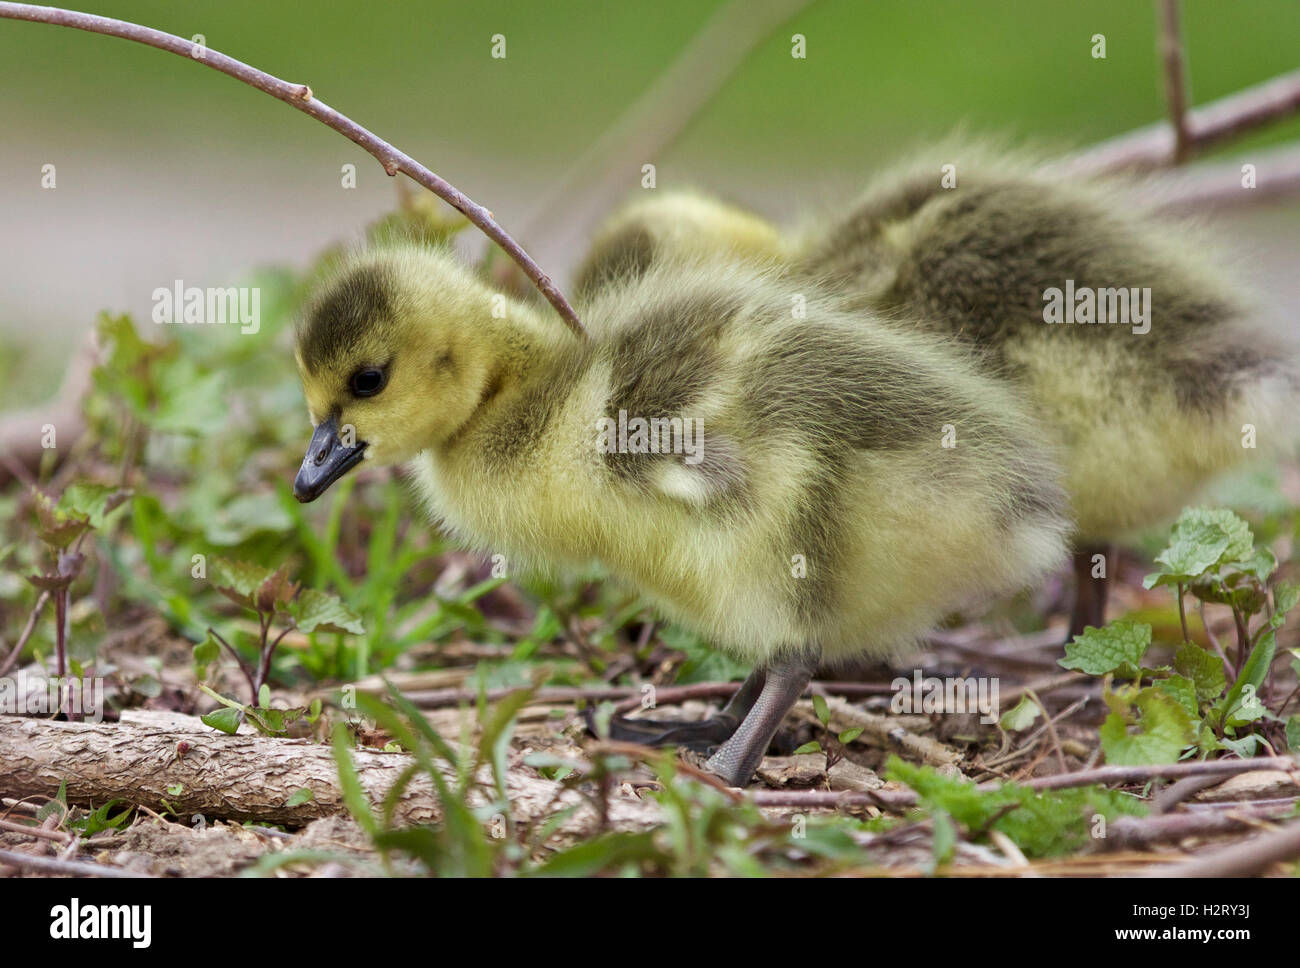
(702, 736)
(1089, 593)
(738, 758)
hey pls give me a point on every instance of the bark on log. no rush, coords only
(244, 777)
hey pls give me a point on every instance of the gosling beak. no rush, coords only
(328, 459)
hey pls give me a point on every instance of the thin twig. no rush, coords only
(1171, 54)
(244, 667)
(300, 96)
(1180, 791)
(1209, 125)
(903, 799)
(1241, 858)
(628, 697)
(1051, 731)
(30, 627)
(1140, 774)
(72, 868)
(63, 837)
(1136, 832)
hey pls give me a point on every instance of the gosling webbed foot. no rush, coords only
(736, 760)
(702, 736)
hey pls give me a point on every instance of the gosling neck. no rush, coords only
(523, 346)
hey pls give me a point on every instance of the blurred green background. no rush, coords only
(168, 170)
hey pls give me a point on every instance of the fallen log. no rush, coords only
(174, 763)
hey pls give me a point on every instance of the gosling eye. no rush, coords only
(368, 381)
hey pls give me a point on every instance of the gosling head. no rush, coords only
(395, 355)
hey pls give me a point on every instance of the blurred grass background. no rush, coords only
(168, 170)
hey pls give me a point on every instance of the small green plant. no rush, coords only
(1206, 701)
(704, 830)
(276, 601)
(1040, 824)
(62, 526)
(835, 744)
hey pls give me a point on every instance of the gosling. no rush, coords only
(791, 481)
(1118, 328)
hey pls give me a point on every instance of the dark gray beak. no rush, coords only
(328, 459)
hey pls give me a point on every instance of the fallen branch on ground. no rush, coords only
(813, 799)
(242, 777)
(1239, 859)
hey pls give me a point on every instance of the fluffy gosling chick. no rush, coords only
(1152, 376)
(683, 226)
(823, 486)
(1146, 410)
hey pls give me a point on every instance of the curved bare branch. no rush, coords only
(300, 96)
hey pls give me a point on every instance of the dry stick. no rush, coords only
(1050, 726)
(1171, 53)
(1154, 146)
(73, 868)
(628, 697)
(1104, 774)
(1180, 791)
(17, 650)
(1276, 175)
(1240, 859)
(1137, 832)
(39, 832)
(655, 119)
(888, 734)
(300, 96)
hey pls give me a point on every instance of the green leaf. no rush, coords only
(607, 852)
(1144, 727)
(58, 528)
(188, 398)
(99, 820)
(1118, 648)
(1022, 716)
(299, 797)
(1293, 734)
(1245, 747)
(823, 711)
(1183, 691)
(1041, 824)
(1285, 596)
(239, 580)
(225, 719)
(319, 611)
(849, 735)
(206, 653)
(1242, 704)
(1202, 539)
(1260, 565)
(812, 747)
(945, 837)
(94, 501)
(1205, 669)
(245, 516)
